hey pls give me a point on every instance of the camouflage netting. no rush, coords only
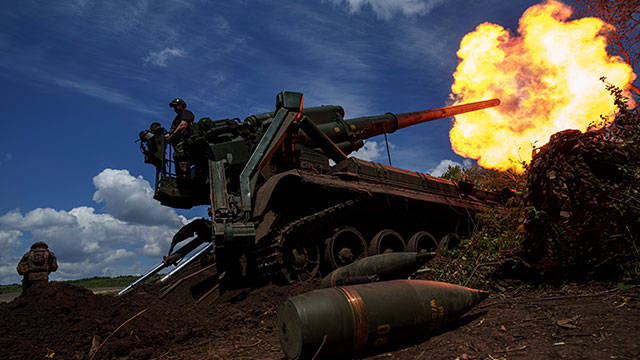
(584, 204)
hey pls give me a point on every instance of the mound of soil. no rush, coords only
(67, 322)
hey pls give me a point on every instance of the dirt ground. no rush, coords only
(58, 321)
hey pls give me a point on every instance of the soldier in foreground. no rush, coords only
(37, 264)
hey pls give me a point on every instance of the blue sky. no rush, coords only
(79, 79)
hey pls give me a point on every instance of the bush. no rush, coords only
(583, 218)
(497, 235)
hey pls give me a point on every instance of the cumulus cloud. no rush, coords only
(160, 57)
(386, 9)
(130, 199)
(88, 243)
(43, 218)
(9, 240)
(372, 151)
(442, 167)
(9, 256)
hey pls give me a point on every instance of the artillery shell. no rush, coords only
(378, 268)
(350, 318)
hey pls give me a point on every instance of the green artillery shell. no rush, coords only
(386, 266)
(349, 318)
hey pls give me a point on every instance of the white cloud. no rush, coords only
(9, 239)
(9, 256)
(386, 9)
(371, 151)
(89, 243)
(159, 58)
(117, 254)
(110, 261)
(130, 199)
(442, 167)
(42, 218)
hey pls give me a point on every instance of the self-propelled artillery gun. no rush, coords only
(286, 202)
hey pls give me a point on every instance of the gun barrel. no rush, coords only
(413, 118)
(370, 126)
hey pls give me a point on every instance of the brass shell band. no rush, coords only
(360, 321)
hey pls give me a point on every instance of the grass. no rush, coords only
(10, 289)
(89, 283)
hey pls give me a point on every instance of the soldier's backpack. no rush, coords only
(23, 267)
(39, 260)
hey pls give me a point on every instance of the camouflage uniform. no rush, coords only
(179, 137)
(37, 264)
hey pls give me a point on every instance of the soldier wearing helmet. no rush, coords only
(37, 264)
(178, 137)
(180, 127)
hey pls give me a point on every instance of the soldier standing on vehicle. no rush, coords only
(178, 137)
(37, 264)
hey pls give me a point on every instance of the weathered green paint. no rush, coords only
(350, 318)
(385, 266)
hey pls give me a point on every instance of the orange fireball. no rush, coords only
(547, 78)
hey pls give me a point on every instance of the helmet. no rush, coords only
(39, 244)
(175, 102)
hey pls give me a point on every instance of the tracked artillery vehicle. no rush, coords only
(286, 202)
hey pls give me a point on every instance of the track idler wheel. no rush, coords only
(345, 246)
(386, 241)
(450, 241)
(301, 260)
(422, 241)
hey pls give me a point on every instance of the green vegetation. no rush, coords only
(10, 289)
(497, 235)
(487, 179)
(102, 282)
(90, 283)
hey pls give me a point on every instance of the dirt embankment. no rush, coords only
(589, 321)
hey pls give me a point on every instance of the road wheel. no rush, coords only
(345, 246)
(450, 241)
(422, 241)
(386, 241)
(301, 260)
